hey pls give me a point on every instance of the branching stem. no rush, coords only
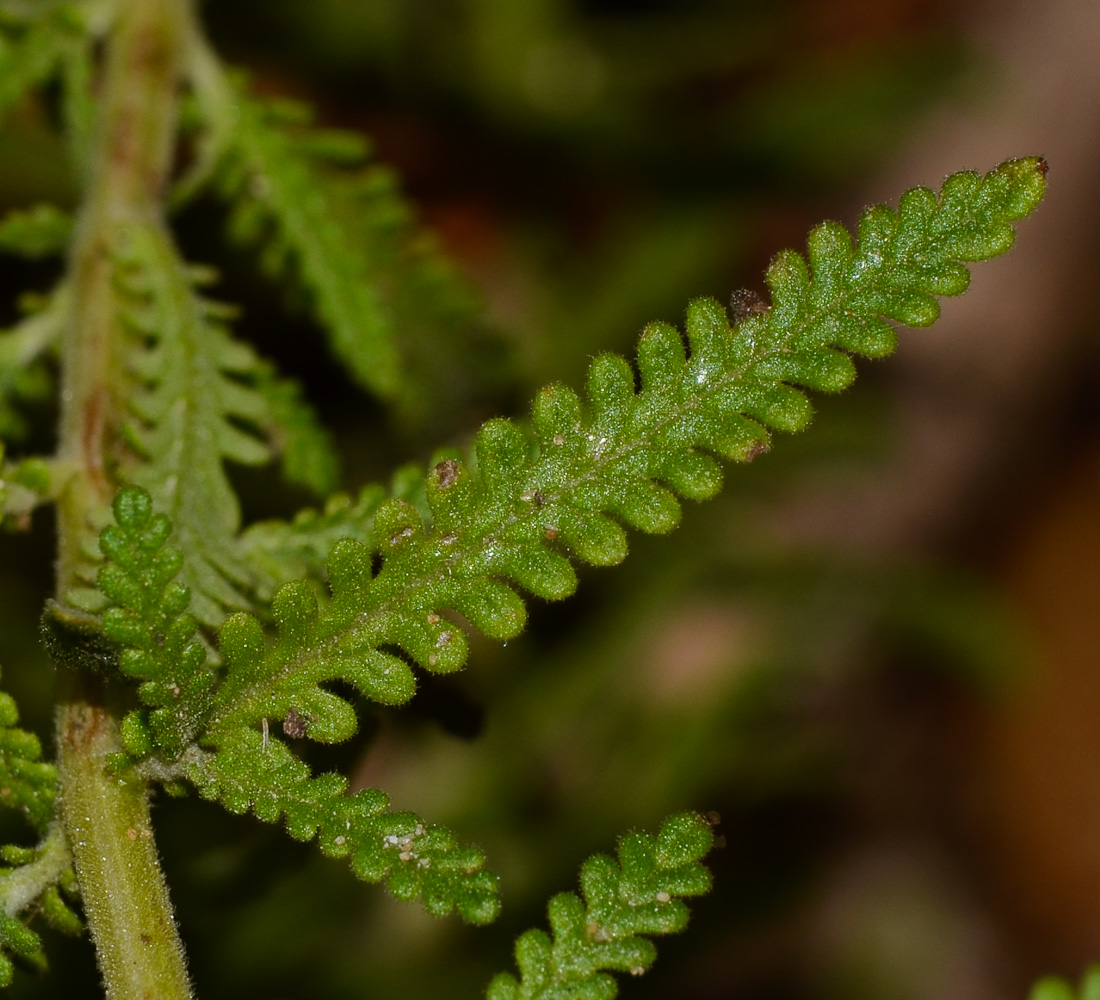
(106, 819)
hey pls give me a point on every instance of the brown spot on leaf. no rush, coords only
(294, 725)
(446, 472)
(745, 303)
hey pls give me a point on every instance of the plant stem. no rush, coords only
(106, 817)
(125, 899)
(131, 161)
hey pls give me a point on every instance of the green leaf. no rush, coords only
(36, 232)
(512, 514)
(529, 499)
(36, 883)
(414, 859)
(280, 199)
(640, 894)
(148, 619)
(27, 783)
(347, 236)
(240, 763)
(200, 398)
(25, 350)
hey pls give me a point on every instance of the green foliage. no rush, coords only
(23, 486)
(41, 231)
(33, 878)
(25, 350)
(1053, 988)
(148, 618)
(527, 501)
(30, 54)
(239, 647)
(348, 236)
(514, 513)
(27, 783)
(202, 398)
(415, 859)
(240, 763)
(640, 894)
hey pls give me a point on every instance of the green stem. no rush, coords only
(133, 155)
(125, 899)
(106, 817)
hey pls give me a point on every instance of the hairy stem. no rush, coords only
(125, 899)
(132, 160)
(106, 818)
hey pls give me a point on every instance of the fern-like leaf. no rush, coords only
(348, 236)
(201, 398)
(25, 376)
(245, 766)
(279, 200)
(414, 859)
(640, 894)
(149, 620)
(512, 516)
(27, 783)
(528, 501)
(32, 879)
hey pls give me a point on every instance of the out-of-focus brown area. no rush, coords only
(1035, 779)
(999, 458)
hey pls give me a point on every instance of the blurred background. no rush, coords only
(876, 656)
